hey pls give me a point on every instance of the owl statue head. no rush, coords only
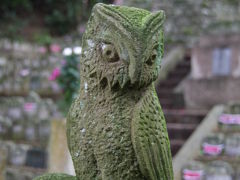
(122, 47)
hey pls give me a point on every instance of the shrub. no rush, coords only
(11, 8)
(69, 79)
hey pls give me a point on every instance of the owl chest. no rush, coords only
(114, 118)
(110, 122)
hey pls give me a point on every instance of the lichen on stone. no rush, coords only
(115, 126)
(56, 177)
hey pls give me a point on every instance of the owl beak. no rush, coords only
(134, 71)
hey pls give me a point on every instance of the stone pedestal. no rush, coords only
(58, 148)
(3, 161)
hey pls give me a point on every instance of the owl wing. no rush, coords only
(150, 138)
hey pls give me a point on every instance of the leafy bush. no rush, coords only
(11, 8)
(43, 39)
(63, 15)
(232, 2)
(60, 16)
(69, 78)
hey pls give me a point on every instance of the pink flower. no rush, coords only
(42, 50)
(63, 62)
(118, 2)
(82, 29)
(55, 73)
(55, 87)
(55, 48)
(24, 72)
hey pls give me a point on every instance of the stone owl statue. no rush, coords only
(115, 127)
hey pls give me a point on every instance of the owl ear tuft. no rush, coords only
(153, 22)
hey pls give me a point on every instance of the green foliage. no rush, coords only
(232, 2)
(10, 8)
(69, 79)
(87, 7)
(61, 15)
(145, 4)
(188, 30)
(43, 39)
(11, 23)
(12, 29)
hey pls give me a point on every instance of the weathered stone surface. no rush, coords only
(116, 128)
(27, 119)
(215, 131)
(213, 91)
(25, 124)
(191, 147)
(187, 19)
(23, 68)
(3, 160)
(215, 71)
(203, 56)
(58, 140)
(56, 177)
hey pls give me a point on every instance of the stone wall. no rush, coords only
(25, 129)
(187, 19)
(26, 67)
(214, 78)
(205, 93)
(195, 150)
(23, 162)
(191, 147)
(202, 55)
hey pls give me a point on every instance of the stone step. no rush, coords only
(164, 100)
(181, 126)
(166, 93)
(176, 144)
(166, 103)
(180, 122)
(188, 56)
(171, 83)
(184, 115)
(177, 76)
(179, 71)
(180, 130)
(164, 90)
(184, 66)
(52, 95)
(174, 100)
(186, 62)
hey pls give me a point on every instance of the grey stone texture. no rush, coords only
(204, 87)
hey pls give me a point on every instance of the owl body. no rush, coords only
(115, 127)
(103, 138)
(104, 145)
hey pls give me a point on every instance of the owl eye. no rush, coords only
(152, 58)
(109, 53)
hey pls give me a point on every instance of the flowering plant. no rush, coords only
(69, 78)
(55, 74)
(67, 75)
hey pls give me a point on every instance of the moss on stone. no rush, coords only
(117, 107)
(134, 15)
(56, 177)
